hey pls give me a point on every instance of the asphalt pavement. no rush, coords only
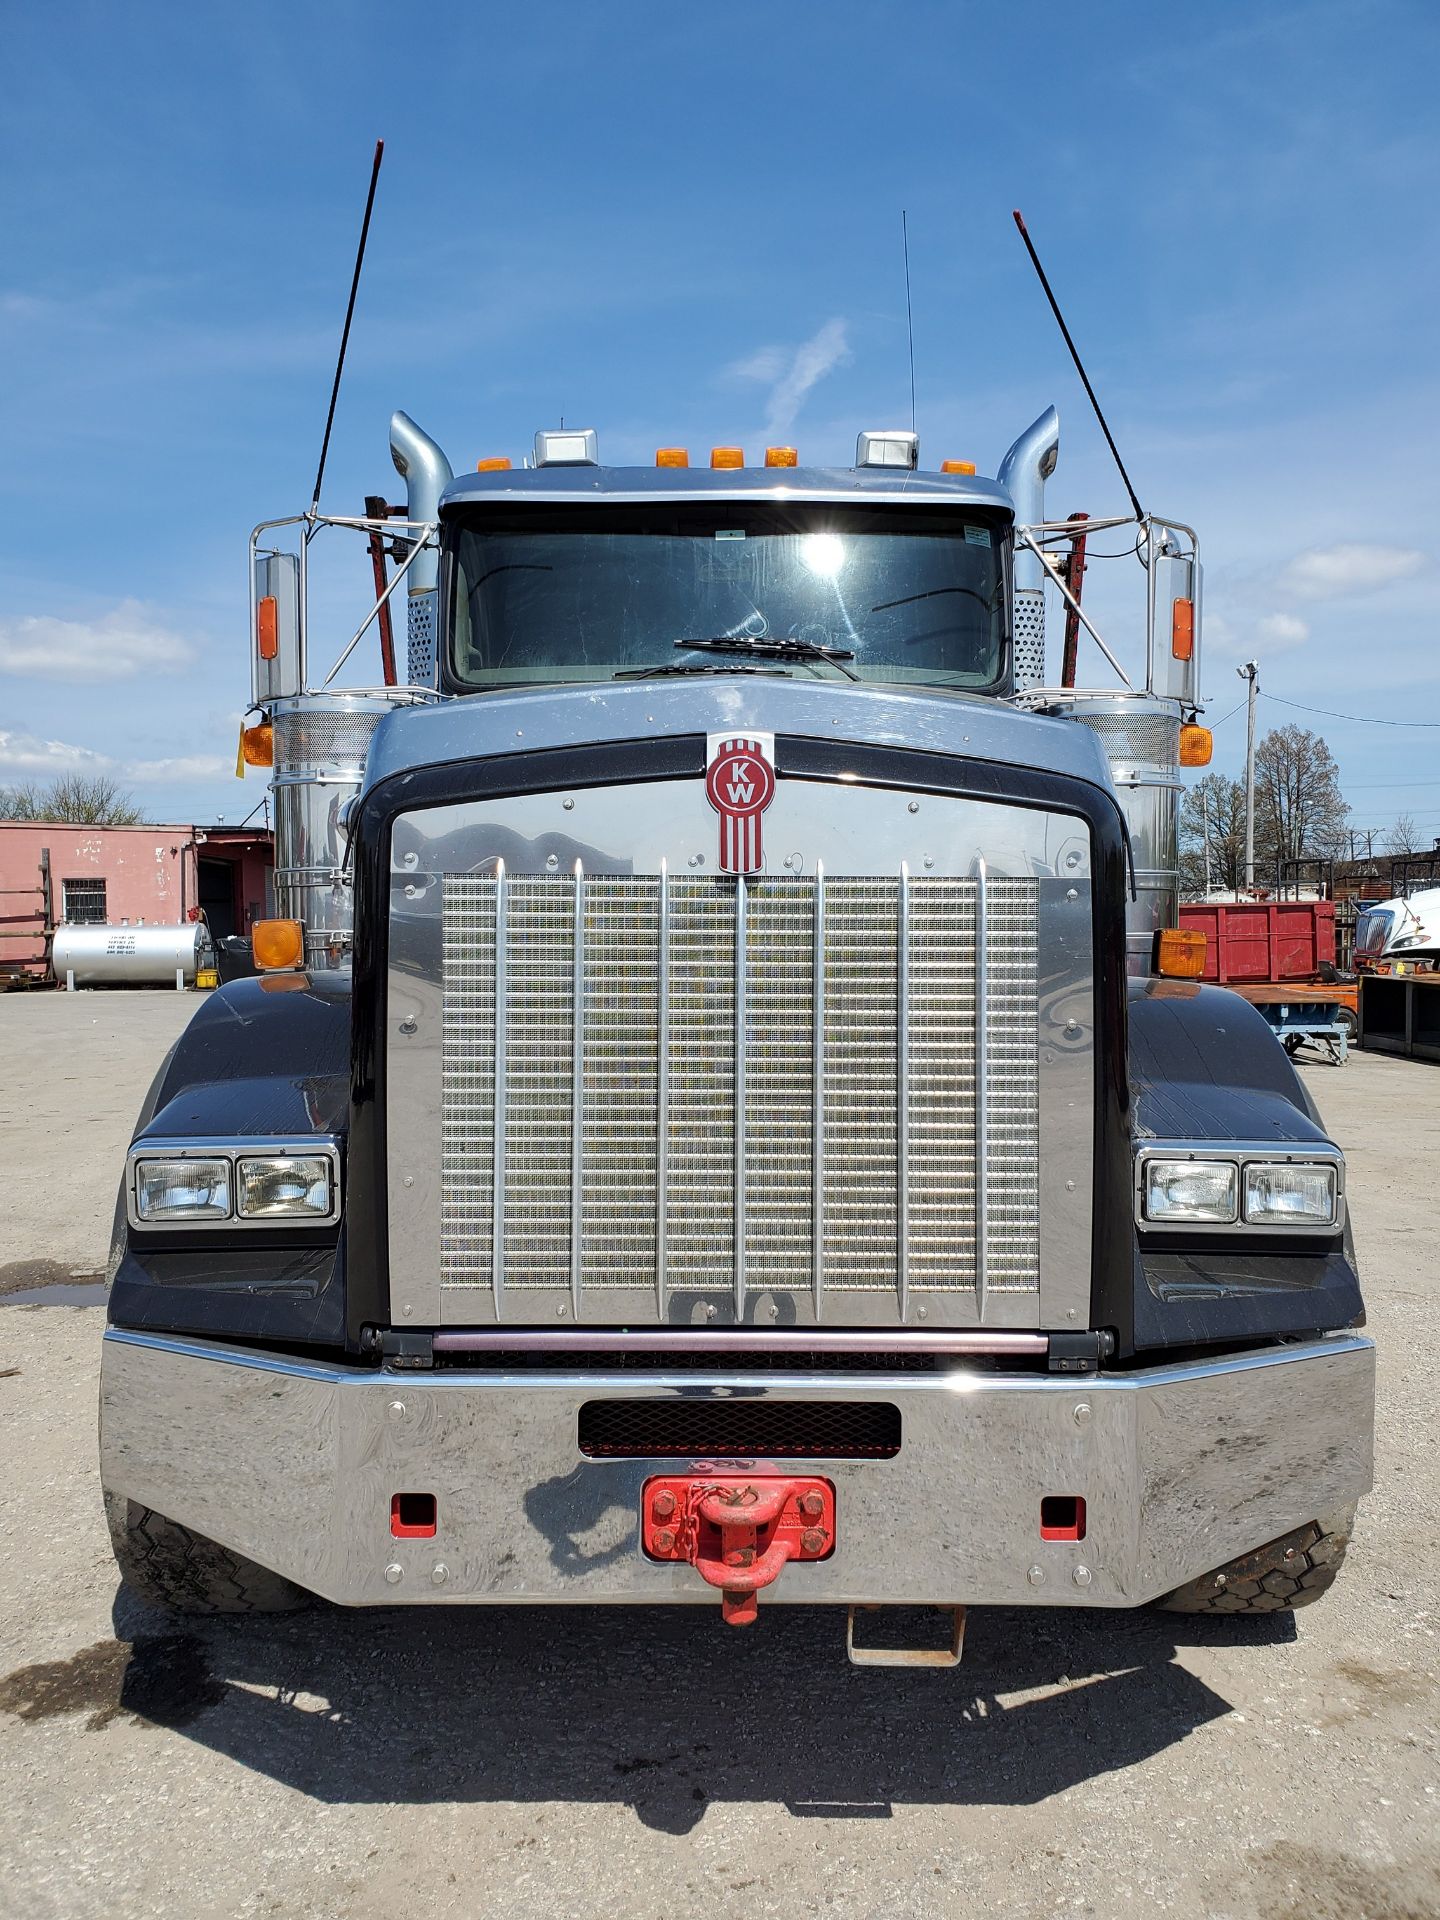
(578, 1762)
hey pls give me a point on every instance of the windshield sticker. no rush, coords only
(978, 536)
(730, 533)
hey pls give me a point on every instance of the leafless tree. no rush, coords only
(87, 800)
(1404, 836)
(1212, 818)
(1299, 808)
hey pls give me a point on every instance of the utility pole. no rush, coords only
(1251, 672)
(1205, 816)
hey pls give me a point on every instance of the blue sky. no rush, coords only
(682, 225)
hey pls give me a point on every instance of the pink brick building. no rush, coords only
(160, 875)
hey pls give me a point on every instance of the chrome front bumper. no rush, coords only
(294, 1465)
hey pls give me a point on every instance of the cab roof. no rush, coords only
(846, 486)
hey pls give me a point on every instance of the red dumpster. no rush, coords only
(1253, 940)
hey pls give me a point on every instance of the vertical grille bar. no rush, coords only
(902, 1094)
(662, 1089)
(577, 1092)
(817, 1097)
(497, 1231)
(982, 1086)
(741, 1017)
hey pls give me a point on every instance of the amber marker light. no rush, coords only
(727, 456)
(781, 457)
(672, 456)
(267, 627)
(957, 466)
(257, 745)
(1196, 745)
(277, 944)
(1180, 953)
(1182, 630)
(500, 464)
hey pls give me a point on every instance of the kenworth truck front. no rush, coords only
(718, 1121)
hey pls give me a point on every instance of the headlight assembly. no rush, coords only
(249, 1184)
(1204, 1185)
(1286, 1194)
(185, 1189)
(283, 1187)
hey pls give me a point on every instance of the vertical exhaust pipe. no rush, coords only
(1023, 473)
(426, 473)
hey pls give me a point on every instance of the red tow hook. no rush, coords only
(738, 1532)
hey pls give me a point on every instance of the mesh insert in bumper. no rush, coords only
(740, 1429)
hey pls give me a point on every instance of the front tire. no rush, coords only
(1293, 1571)
(166, 1565)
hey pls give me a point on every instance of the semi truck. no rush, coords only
(726, 1113)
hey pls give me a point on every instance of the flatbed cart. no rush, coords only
(1321, 1012)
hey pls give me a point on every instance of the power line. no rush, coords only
(1362, 719)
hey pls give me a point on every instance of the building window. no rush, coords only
(84, 902)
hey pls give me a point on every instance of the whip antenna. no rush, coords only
(909, 316)
(349, 316)
(1079, 365)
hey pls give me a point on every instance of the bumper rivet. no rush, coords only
(439, 1574)
(407, 1025)
(394, 1573)
(1081, 1576)
(396, 1409)
(1036, 1576)
(568, 805)
(1082, 1414)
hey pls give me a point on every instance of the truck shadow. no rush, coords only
(666, 1711)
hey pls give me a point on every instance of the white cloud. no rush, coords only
(1329, 573)
(790, 373)
(27, 756)
(120, 644)
(1279, 630)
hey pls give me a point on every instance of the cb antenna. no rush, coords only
(1079, 364)
(909, 316)
(349, 316)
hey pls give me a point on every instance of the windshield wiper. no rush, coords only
(647, 673)
(777, 648)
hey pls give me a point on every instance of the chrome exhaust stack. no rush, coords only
(426, 473)
(1023, 473)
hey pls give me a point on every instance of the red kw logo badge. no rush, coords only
(740, 784)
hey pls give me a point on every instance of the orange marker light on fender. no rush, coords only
(957, 466)
(672, 456)
(1180, 953)
(781, 457)
(1196, 745)
(267, 627)
(257, 745)
(278, 945)
(1182, 629)
(500, 464)
(727, 456)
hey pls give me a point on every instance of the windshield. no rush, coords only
(914, 594)
(1372, 930)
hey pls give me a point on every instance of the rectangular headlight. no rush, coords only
(283, 1187)
(182, 1189)
(1189, 1191)
(1283, 1195)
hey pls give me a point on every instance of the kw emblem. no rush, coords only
(740, 784)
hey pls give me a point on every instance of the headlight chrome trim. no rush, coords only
(233, 1150)
(1243, 1156)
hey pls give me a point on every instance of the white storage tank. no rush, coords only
(131, 956)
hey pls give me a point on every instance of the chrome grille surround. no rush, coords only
(800, 1057)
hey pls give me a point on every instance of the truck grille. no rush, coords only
(698, 1086)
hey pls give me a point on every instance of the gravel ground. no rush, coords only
(583, 1762)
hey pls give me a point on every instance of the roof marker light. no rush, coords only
(727, 456)
(957, 466)
(672, 456)
(781, 457)
(500, 464)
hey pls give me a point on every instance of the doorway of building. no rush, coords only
(217, 897)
